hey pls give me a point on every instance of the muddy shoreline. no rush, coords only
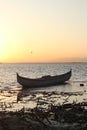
(47, 113)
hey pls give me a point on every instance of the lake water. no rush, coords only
(79, 74)
(10, 87)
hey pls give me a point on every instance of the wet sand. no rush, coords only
(26, 110)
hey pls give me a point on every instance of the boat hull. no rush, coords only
(43, 81)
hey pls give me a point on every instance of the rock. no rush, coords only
(81, 84)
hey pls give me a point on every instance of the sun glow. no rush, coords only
(43, 31)
(2, 48)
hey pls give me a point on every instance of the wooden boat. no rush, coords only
(44, 81)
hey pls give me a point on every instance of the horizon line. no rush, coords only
(43, 62)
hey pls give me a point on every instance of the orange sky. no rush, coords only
(43, 31)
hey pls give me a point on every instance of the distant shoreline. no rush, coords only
(46, 63)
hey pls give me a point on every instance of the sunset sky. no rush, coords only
(43, 31)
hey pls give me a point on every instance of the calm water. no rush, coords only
(79, 75)
(10, 90)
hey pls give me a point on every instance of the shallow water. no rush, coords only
(11, 89)
(8, 74)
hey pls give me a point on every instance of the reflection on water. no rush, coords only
(12, 97)
(8, 72)
(16, 100)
